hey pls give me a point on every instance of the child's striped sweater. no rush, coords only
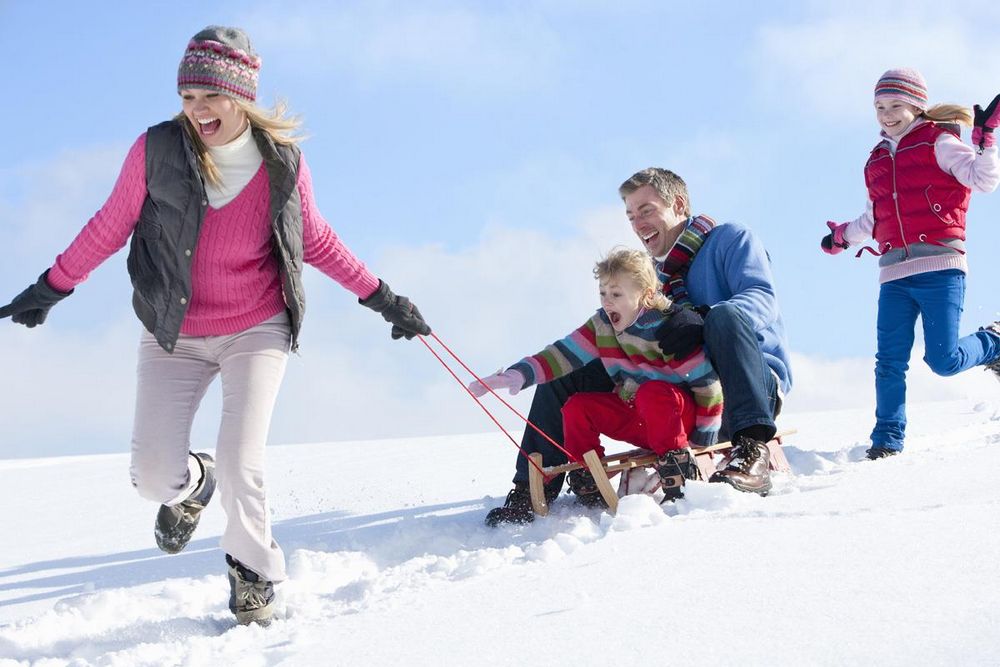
(631, 358)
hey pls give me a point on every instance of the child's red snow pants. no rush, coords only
(659, 419)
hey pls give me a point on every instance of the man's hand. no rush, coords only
(682, 333)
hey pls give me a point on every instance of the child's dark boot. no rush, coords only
(583, 484)
(674, 468)
(878, 452)
(517, 508)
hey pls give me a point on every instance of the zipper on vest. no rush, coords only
(895, 202)
(286, 269)
(270, 155)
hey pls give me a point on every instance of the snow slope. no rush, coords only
(895, 562)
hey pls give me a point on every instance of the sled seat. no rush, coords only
(603, 469)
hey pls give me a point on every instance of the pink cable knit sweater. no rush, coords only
(234, 274)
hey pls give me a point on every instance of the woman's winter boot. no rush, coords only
(175, 524)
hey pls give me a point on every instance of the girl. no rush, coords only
(661, 403)
(920, 177)
(219, 205)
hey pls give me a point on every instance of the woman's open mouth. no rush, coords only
(208, 126)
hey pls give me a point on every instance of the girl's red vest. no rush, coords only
(914, 200)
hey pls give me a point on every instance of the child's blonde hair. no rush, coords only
(637, 266)
(275, 122)
(949, 113)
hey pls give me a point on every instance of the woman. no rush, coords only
(219, 206)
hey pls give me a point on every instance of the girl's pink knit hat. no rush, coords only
(903, 84)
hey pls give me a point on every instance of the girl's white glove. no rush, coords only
(510, 379)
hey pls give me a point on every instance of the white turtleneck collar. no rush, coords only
(238, 162)
(894, 141)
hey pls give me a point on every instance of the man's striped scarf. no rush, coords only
(673, 269)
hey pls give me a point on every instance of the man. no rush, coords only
(721, 272)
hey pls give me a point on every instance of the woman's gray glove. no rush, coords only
(397, 310)
(32, 306)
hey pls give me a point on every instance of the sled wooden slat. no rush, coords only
(605, 468)
(536, 485)
(596, 467)
(778, 461)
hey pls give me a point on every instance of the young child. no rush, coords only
(661, 403)
(920, 177)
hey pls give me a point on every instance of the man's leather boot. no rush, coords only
(747, 466)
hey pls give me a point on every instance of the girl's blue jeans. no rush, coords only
(938, 298)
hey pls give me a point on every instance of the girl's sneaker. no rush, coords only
(878, 452)
(995, 364)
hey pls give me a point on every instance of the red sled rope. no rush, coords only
(499, 398)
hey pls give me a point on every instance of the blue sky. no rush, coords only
(470, 153)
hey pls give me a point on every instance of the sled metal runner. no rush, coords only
(604, 468)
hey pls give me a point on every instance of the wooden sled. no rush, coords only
(603, 469)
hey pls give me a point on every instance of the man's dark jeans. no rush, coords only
(749, 388)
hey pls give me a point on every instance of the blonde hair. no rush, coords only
(281, 127)
(635, 265)
(949, 113)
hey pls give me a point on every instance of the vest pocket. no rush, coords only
(942, 204)
(148, 230)
(145, 260)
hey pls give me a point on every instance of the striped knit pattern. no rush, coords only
(674, 267)
(903, 84)
(216, 66)
(235, 282)
(632, 358)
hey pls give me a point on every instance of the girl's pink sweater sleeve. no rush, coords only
(323, 248)
(109, 229)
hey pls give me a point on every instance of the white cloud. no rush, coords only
(827, 61)
(66, 392)
(32, 217)
(507, 294)
(827, 384)
(448, 44)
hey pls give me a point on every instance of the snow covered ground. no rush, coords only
(895, 562)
